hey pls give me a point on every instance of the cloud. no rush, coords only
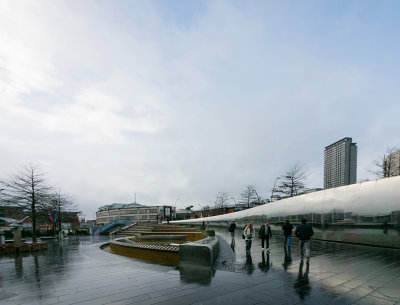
(118, 98)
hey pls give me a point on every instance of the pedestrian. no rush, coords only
(265, 233)
(248, 233)
(304, 233)
(287, 232)
(232, 229)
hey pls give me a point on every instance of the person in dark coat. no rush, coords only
(265, 233)
(287, 232)
(232, 229)
(304, 233)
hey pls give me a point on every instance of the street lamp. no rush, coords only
(273, 189)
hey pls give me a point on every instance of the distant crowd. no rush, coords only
(303, 232)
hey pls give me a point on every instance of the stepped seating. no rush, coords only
(137, 229)
(157, 243)
(191, 234)
(134, 230)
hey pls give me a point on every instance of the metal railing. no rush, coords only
(113, 223)
(122, 228)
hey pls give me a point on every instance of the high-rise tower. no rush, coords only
(340, 163)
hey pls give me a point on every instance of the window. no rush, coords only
(144, 211)
(125, 212)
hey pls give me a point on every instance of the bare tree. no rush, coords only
(60, 206)
(222, 200)
(291, 183)
(28, 190)
(388, 165)
(259, 199)
(248, 195)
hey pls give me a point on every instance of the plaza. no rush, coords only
(77, 271)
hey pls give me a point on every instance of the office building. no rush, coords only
(391, 164)
(340, 163)
(134, 212)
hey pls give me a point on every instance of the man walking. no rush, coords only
(287, 232)
(265, 233)
(232, 229)
(304, 233)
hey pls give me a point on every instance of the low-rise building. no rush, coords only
(134, 212)
(69, 219)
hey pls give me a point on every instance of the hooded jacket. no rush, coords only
(304, 231)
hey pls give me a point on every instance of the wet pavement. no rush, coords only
(76, 271)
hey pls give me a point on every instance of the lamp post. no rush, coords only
(176, 200)
(273, 189)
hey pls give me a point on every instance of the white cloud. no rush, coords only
(116, 98)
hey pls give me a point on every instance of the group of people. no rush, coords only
(303, 232)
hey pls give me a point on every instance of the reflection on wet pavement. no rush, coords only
(76, 271)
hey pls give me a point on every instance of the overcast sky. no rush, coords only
(183, 99)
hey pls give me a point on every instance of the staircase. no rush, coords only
(113, 224)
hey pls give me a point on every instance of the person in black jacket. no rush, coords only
(265, 233)
(232, 229)
(287, 232)
(304, 233)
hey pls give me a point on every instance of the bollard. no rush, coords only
(17, 236)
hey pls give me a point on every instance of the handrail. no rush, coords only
(123, 228)
(113, 223)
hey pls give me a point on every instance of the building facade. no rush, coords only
(134, 212)
(340, 163)
(391, 164)
(69, 219)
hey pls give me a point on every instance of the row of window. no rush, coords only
(141, 217)
(126, 212)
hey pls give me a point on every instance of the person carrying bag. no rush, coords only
(248, 234)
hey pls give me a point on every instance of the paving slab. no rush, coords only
(77, 271)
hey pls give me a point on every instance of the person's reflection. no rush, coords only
(265, 264)
(248, 266)
(18, 266)
(302, 285)
(288, 257)
(385, 227)
(37, 269)
(233, 244)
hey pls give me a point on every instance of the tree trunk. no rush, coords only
(34, 238)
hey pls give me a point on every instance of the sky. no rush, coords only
(176, 101)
